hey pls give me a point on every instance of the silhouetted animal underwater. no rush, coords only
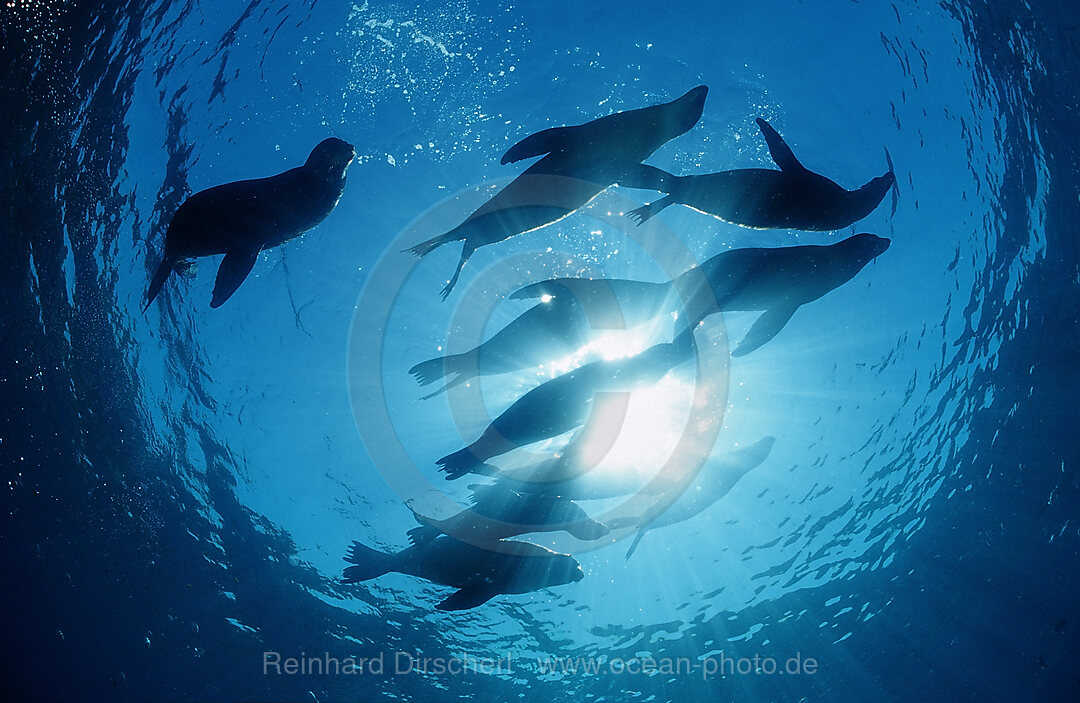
(564, 403)
(716, 478)
(471, 549)
(499, 513)
(792, 198)
(552, 329)
(242, 218)
(478, 574)
(776, 280)
(578, 162)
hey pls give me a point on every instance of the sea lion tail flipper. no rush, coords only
(459, 463)
(538, 144)
(422, 535)
(484, 494)
(427, 372)
(466, 252)
(234, 268)
(469, 597)
(457, 381)
(424, 248)
(370, 563)
(646, 211)
(895, 188)
(635, 543)
(158, 281)
(764, 329)
(778, 148)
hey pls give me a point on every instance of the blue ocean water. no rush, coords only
(181, 484)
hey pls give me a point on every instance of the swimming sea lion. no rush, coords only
(478, 574)
(563, 403)
(498, 513)
(580, 162)
(555, 328)
(777, 280)
(241, 219)
(716, 478)
(792, 198)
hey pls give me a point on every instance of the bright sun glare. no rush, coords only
(606, 346)
(651, 429)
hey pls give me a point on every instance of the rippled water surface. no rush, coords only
(181, 484)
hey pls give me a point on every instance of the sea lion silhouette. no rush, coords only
(499, 513)
(241, 219)
(563, 403)
(716, 478)
(478, 574)
(776, 280)
(551, 330)
(792, 198)
(565, 321)
(580, 162)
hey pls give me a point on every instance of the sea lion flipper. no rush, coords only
(459, 463)
(369, 563)
(538, 144)
(234, 268)
(895, 188)
(764, 329)
(635, 543)
(469, 597)
(422, 535)
(646, 211)
(779, 150)
(156, 284)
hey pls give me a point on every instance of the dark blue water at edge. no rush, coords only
(109, 558)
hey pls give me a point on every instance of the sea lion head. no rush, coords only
(330, 158)
(874, 191)
(690, 106)
(588, 530)
(562, 569)
(866, 246)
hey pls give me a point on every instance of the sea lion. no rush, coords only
(776, 280)
(478, 574)
(564, 403)
(580, 162)
(241, 219)
(792, 198)
(716, 478)
(498, 513)
(562, 324)
(553, 329)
